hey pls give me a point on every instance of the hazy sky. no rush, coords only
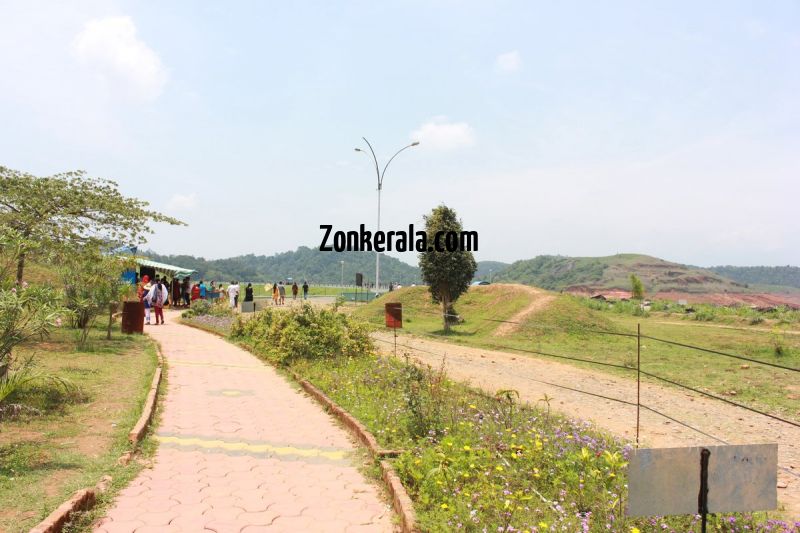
(575, 128)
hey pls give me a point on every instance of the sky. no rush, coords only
(572, 128)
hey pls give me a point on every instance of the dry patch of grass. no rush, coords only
(78, 433)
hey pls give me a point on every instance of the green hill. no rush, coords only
(783, 276)
(613, 272)
(304, 263)
(487, 269)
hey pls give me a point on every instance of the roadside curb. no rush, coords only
(138, 431)
(84, 499)
(401, 501)
(363, 434)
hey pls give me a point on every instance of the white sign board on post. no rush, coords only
(666, 481)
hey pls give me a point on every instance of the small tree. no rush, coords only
(448, 274)
(93, 285)
(26, 312)
(70, 210)
(637, 288)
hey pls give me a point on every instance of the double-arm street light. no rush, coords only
(380, 175)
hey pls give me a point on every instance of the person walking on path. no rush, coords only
(195, 292)
(202, 288)
(294, 290)
(157, 297)
(305, 290)
(275, 294)
(263, 455)
(282, 292)
(186, 290)
(144, 298)
(233, 294)
(176, 292)
(248, 293)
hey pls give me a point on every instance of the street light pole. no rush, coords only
(380, 176)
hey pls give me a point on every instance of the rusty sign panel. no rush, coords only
(394, 315)
(666, 481)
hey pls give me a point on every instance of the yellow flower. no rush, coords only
(635, 530)
(417, 461)
(472, 406)
(543, 525)
(467, 448)
(498, 468)
(444, 506)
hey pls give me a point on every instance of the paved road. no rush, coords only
(241, 450)
(495, 370)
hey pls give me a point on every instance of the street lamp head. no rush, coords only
(359, 150)
(415, 143)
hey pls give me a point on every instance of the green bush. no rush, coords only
(305, 332)
(206, 307)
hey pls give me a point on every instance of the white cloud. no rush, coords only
(182, 202)
(509, 62)
(110, 47)
(440, 134)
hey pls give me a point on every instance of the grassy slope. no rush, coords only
(561, 329)
(78, 438)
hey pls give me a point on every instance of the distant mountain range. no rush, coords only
(301, 264)
(784, 276)
(576, 274)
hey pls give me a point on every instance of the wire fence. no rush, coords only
(637, 368)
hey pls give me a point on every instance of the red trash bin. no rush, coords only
(132, 317)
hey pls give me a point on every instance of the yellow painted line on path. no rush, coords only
(200, 363)
(238, 446)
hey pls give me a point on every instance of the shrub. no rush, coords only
(206, 307)
(305, 332)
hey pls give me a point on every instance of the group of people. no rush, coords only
(154, 295)
(278, 292)
(159, 292)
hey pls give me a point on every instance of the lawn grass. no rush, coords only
(259, 289)
(80, 433)
(564, 328)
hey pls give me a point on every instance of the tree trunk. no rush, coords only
(20, 268)
(110, 320)
(445, 307)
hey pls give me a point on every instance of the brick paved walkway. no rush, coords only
(241, 450)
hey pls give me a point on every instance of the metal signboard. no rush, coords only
(394, 315)
(735, 478)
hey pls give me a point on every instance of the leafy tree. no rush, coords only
(637, 288)
(26, 312)
(93, 285)
(71, 209)
(448, 274)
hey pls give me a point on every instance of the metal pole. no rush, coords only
(638, 377)
(377, 254)
(702, 498)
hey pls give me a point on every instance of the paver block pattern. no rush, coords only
(242, 450)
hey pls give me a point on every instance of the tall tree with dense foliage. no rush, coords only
(71, 209)
(448, 274)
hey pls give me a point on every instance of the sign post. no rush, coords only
(702, 480)
(394, 319)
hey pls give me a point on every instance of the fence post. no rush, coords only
(638, 377)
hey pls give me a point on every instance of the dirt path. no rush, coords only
(240, 449)
(493, 370)
(540, 300)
